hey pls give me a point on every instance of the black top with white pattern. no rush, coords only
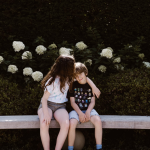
(82, 94)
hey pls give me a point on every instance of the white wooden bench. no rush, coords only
(108, 121)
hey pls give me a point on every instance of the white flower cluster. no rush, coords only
(146, 64)
(17, 45)
(117, 60)
(12, 68)
(64, 51)
(52, 46)
(37, 76)
(1, 59)
(102, 68)
(141, 55)
(106, 53)
(27, 55)
(81, 45)
(89, 61)
(40, 49)
(27, 71)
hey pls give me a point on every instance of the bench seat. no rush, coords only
(108, 121)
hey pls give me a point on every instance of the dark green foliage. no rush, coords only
(25, 139)
(125, 93)
(130, 54)
(17, 100)
(117, 22)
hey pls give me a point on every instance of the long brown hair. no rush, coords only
(63, 67)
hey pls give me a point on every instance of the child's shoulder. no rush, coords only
(55, 81)
(48, 80)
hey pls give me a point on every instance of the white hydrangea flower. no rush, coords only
(117, 60)
(110, 48)
(89, 61)
(12, 68)
(27, 71)
(52, 46)
(102, 68)
(18, 45)
(64, 51)
(40, 49)
(81, 45)
(27, 55)
(141, 55)
(146, 64)
(106, 53)
(119, 67)
(1, 59)
(37, 76)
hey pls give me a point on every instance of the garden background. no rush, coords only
(123, 26)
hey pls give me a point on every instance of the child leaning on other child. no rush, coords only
(53, 103)
(83, 101)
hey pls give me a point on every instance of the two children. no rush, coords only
(53, 103)
(83, 101)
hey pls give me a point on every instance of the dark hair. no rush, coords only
(63, 67)
(80, 67)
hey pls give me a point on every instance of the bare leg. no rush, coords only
(98, 128)
(44, 129)
(72, 128)
(62, 117)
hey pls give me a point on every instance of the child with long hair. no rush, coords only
(53, 103)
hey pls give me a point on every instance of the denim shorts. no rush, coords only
(74, 115)
(54, 106)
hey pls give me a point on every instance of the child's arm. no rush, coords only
(45, 108)
(76, 108)
(90, 107)
(95, 90)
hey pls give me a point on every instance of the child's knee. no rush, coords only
(65, 124)
(72, 123)
(97, 120)
(43, 125)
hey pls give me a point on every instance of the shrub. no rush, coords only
(130, 54)
(22, 67)
(125, 93)
(17, 100)
(118, 22)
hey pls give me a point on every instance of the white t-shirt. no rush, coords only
(56, 95)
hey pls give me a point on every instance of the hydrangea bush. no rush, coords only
(32, 62)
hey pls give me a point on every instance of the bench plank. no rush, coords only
(108, 121)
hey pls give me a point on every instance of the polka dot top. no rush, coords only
(56, 95)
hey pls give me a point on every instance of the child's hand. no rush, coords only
(47, 119)
(96, 92)
(87, 113)
(82, 117)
